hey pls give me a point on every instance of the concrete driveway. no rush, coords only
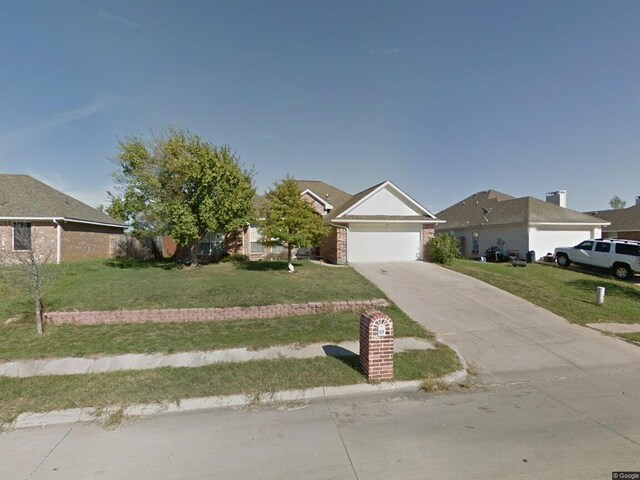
(503, 337)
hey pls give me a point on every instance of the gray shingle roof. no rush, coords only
(329, 193)
(504, 209)
(622, 219)
(333, 195)
(22, 196)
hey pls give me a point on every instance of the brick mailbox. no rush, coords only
(376, 345)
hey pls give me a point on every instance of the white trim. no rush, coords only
(380, 187)
(327, 205)
(564, 224)
(428, 221)
(58, 241)
(530, 224)
(59, 219)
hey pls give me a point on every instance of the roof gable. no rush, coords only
(24, 197)
(383, 200)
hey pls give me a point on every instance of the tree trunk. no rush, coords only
(39, 316)
(290, 257)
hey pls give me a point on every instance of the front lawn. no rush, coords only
(19, 341)
(565, 292)
(41, 394)
(113, 285)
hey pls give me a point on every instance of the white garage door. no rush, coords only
(383, 243)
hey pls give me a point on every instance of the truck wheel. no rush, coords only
(621, 271)
(563, 260)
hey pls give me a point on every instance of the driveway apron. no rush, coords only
(501, 336)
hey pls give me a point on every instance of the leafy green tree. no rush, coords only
(180, 185)
(444, 249)
(290, 220)
(617, 203)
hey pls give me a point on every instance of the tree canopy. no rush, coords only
(180, 185)
(289, 219)
(617, 203)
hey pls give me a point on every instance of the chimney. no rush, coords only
(558, 198)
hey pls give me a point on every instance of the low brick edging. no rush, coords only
(181, 315)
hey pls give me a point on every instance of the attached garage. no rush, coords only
(384, 242)
(383, 224)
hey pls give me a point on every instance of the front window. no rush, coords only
(256, 239)
(22, 236)
(277, 249)
(475, 247)
(212, 244)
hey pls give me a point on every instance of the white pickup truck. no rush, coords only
(622, 257)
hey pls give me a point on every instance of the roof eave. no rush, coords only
(62, 219)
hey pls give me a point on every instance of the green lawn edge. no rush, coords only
(43, 394)
(566, 292)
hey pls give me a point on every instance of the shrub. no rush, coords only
(444, 249)
(235, 258)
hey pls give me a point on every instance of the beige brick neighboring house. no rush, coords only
(381, 223)
(55, 226)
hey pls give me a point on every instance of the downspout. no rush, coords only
(346, 247)
(58, 241)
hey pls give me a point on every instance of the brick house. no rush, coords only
(625, 222)
(34, 216)
(381, 223)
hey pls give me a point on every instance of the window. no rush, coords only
(277, 249)
(256, 239)
(603, 247)
(475, 246)
(584, 246)
(21, 236)
(211, 245)
(628, 249)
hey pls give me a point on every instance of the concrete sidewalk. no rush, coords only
(505, 338)
(77, 366)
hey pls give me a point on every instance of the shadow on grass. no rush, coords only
(349, 358)
(123, 263)
(265, 266)
(617, 289)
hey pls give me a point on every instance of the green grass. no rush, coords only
(19, 341)
(113, 285)
(634, 337)
(565, 292)
(40, 394)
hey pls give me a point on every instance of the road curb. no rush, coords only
(94, 415)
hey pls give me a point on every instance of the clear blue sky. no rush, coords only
(444, 98)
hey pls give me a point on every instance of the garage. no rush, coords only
(384, 242)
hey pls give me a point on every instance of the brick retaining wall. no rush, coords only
(180, 315)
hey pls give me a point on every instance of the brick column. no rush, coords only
(376, 345)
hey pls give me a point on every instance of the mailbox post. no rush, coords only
(376, 346)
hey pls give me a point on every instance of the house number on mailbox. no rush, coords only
(381, 331)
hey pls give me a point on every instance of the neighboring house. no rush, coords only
(381, 223)
(517, 225)
(625, 222)
(34, 216)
